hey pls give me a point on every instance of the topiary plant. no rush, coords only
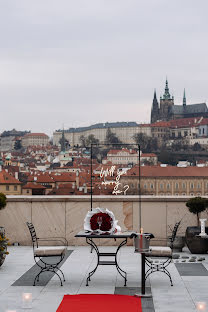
(3, 201)
(3, 239)
(197, 205)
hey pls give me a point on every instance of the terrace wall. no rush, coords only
(64, 215)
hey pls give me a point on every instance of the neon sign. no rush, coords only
(110, 172)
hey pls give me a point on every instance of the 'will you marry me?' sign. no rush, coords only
(117, 184)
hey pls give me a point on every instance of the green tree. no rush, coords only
(197, 205)
(111, 138)
(197, 147)
(17, 145)
(91, 139)
(82, 139)
(3, 201)
(167, 157)
(147, 143)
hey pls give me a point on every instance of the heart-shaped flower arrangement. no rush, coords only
(102, 221)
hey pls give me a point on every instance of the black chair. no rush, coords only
(161, 252)
(42, 253)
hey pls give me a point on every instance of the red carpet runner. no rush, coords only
(100, 303)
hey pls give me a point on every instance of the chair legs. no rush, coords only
(158, 267)
(49, 268)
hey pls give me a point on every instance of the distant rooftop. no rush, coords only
(102, 126)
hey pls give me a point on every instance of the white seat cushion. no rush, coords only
(159, 251)
(49, 251)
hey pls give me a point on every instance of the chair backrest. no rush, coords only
(32, 233)
(174, 232)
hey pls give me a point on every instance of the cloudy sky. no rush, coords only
(76, 63)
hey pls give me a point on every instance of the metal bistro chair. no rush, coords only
(42, 253)
(161, 252)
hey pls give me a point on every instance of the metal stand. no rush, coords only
(106, 254)
(143, 292)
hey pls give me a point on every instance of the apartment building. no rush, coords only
(170, 180)
(9, 185)
(35, 139)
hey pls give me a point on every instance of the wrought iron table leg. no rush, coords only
(93, 245)
(115, 262)
(120, 271)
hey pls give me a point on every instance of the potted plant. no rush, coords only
(196, 244)
(176, 241)
(3, 239)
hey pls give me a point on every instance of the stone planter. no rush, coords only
(196, 245)
(178, 243)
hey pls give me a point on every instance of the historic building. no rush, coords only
(125, 132)
(167, 110)
(168, 180)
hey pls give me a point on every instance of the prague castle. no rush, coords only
(167, 110)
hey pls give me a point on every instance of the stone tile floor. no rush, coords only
(186, 294)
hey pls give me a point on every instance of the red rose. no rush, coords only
(106, 222)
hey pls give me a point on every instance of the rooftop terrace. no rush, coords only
(188, 292)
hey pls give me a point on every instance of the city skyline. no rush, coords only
(78, 64)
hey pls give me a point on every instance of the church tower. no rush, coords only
(155, 109)
(184, 99)
(165, 104)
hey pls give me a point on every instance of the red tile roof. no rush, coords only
(169, 171)
(148, 155)
(31, 185)
(36, 134)
(161, 124)
(114, 151)
(6, 178)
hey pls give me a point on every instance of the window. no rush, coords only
(28, 191)
(145, 186)
(198, 194)
(192, 194)
(168, 186)
(184, 194)
(161, 186)
(198, 185)
(176, 186)
(7, 187)
(15, 188)
(183, 185)
(191, 185)
(151, 186)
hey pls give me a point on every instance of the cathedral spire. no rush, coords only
(155, 108)
(166, 94)
(63, 146)
(184, 98)
(155, 96)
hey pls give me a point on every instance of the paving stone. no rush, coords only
(176, 256)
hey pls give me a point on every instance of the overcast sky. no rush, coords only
(76, 63)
